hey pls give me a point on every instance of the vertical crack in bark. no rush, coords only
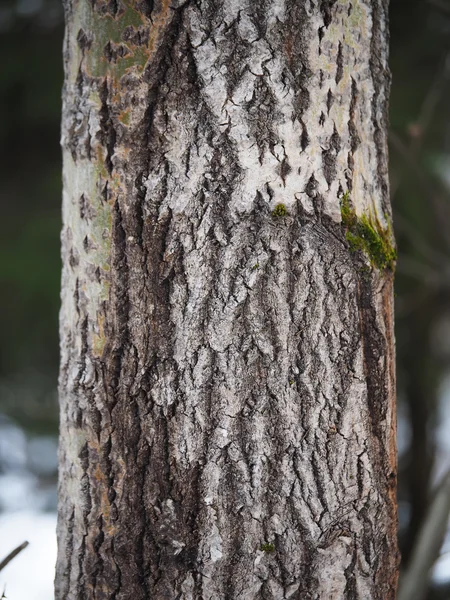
(329, 157)
(353, 133)
(326, 7)
(339, 64)
(107, 132)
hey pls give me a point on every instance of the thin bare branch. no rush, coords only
(12, 555)
(414, 583)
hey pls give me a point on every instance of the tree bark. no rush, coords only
(227, 380)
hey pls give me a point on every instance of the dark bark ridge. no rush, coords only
(227, 383)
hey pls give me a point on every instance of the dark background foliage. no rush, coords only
(31, 34)
(30, 198)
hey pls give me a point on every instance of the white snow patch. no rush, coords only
(30, 575)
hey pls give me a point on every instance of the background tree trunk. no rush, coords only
(227, 377)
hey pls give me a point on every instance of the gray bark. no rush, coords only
(227, 367)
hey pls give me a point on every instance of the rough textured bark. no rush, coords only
(227, 375)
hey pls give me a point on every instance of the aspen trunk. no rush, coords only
(227, 379)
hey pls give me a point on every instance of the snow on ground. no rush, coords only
(30, 575)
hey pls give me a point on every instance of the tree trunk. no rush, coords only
(227, 376)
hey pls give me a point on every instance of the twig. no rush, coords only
(413, 585)
(12, 555)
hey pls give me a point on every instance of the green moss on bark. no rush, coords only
(366, 234)
(280, 210)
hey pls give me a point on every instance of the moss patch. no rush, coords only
(280, 210)
(267, 547)
(367, 235)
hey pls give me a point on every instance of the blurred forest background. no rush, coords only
(31, 34)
